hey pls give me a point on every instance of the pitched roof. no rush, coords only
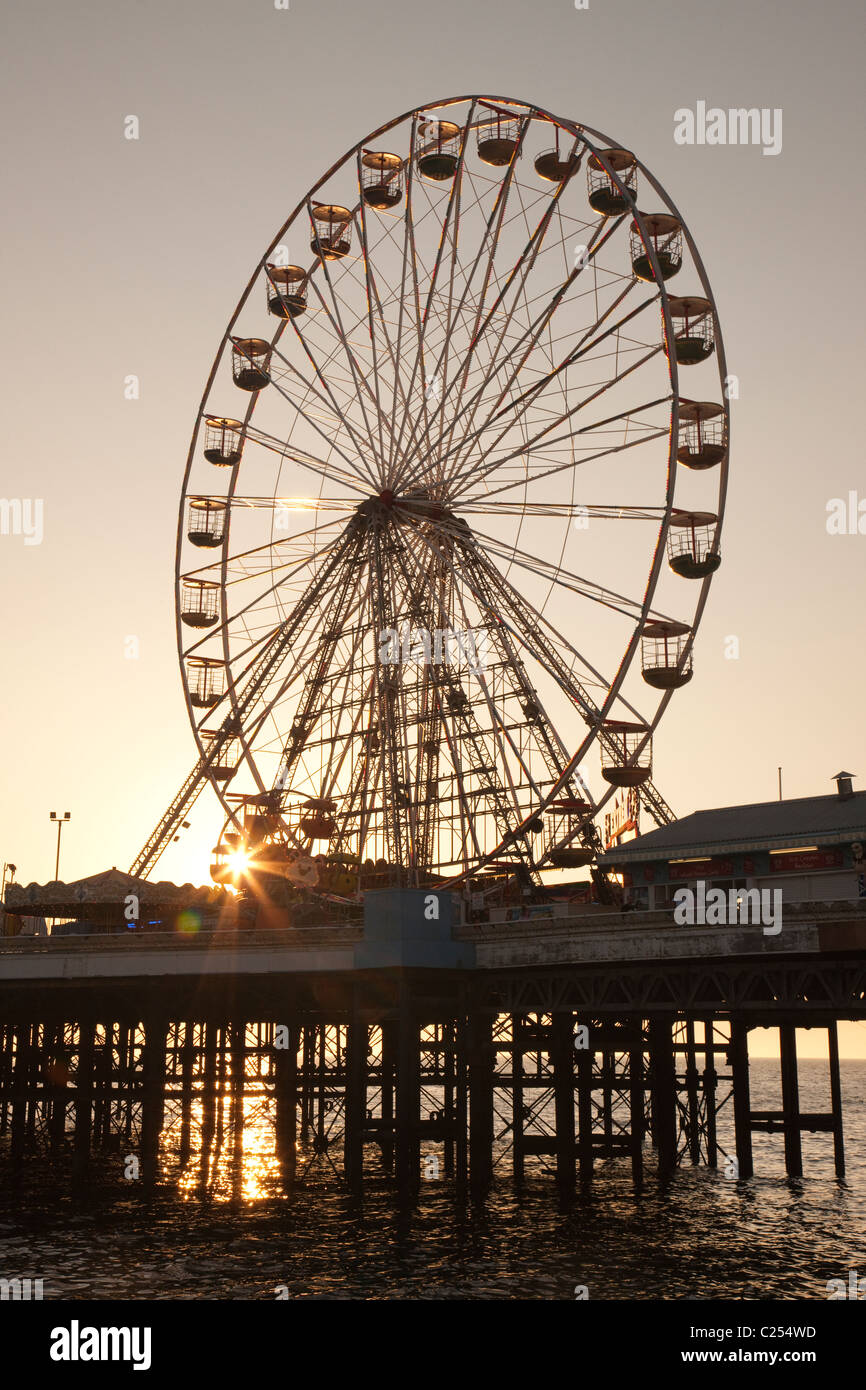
(109, 888)
(807, 820)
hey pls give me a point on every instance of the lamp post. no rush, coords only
(61, 821)
(11, 869)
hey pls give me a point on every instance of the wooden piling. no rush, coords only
(286, 1091)
(480, 1080)
(664, 1099)
(408, 1097)
(562, 1049)
(739, 1055)
(790, 1101)
(636, 1103)
(356, 1096)
(585, 1069)
(836, 1100)
(83, 1099)
(153, 1095)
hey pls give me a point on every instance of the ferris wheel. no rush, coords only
(448, 521)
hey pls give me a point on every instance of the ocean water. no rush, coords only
(700, 1236)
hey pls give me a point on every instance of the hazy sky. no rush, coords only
(127, 257)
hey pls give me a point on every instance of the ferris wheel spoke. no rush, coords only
(530, 341)
(344, 505)
(593, 510)
(340, 341)
(364, 393)
(494, 218)
(627, 415)
(472, 476)
(341, 336)
(300, 662)
(522, 268)
(538, 634)
(486, 498)
(421, 320)
(531, 337)
(340, 417)
(291, 567)
(563, 578)
(331, 417)
(384, 421)
(582, 350)
(223, 626)
(306, 460)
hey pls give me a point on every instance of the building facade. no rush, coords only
(812, 848)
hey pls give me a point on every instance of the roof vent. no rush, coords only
(843, 784)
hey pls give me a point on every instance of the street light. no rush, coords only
(61, 821)
(12, 870)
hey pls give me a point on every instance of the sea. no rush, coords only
(701, 1235)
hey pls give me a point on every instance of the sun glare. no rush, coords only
(239, 861)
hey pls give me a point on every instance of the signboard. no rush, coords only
(702, 868)
(799, 861)
(624, 816)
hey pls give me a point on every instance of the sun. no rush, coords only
(239, 862)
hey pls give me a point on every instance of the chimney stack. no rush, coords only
(843, 784)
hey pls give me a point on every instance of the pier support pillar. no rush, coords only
(836, 1100)
(356, 1097)
(480, 1070)
(562, 1048)
(739, 1057)
(153, 1094)
(692, 1080)
(517, 1078)
(187, 1060)
(584, 1105)
(286, 1088)
(636, 1103)
(209, 1098)
(791, 1101)
(83, 1098)
(408, 1107)
(710, 1082)
(664, 1095)
(20, 1092)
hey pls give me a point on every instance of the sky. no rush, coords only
(126, 257)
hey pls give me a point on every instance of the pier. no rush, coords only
(378, 1049)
